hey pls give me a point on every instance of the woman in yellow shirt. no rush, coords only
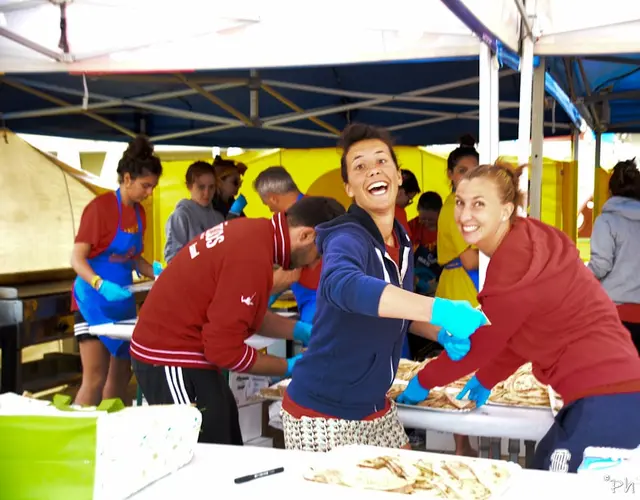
(459, 278)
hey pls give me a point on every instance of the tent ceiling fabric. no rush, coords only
(606, 88)
(199, 35)
(421, 103)
(576, 27)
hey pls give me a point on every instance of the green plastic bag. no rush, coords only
(50, 457)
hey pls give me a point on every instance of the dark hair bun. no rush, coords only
(139, 148)
(467, 141)
(625, 180)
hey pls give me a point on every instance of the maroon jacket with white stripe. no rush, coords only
(212, 296)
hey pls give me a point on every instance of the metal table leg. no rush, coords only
(530, 449)
(11, 375)
(514, 450)
(496, 448)
(484, 445)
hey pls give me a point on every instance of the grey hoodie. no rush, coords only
(615, 249)
(187, 221)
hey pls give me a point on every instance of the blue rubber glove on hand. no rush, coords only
(458, 317)
(238, 205)
(475, 391)
(456, 348)
(113, 292)
(291, 362)
(273, 299)
(157, 268)
(413, 394)
(302, 332)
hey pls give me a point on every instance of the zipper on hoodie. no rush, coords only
(388, 257)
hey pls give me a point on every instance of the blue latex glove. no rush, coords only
(157, 268)
(273, 299)
(413, 394)
(302, 332)
(456, 348)
(458, 317)
(238, 205)
(291, 362)
(475, 391)
(113, 292)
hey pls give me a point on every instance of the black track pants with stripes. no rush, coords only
(208, 389)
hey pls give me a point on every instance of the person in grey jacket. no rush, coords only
(615, 245)
(193, 216)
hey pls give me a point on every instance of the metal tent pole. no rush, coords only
(537, 140)
(526, 94)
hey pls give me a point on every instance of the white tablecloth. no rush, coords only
(487, 421)
(123, 330)
(214, 468)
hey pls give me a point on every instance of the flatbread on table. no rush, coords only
(275, 391)
(523, 389)
(432, 478)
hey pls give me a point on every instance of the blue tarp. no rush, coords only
(389, 79)
(616, 77)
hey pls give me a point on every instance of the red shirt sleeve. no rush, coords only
(500, 368)
(237, 309)
(507, 314)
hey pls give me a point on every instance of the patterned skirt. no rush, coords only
(324, 434)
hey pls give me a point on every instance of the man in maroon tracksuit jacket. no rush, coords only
(209, 300)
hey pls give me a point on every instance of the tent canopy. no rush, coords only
(148, 35)
(594, 53)
(421, 103)
(606, 89)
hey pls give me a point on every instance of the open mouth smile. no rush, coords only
(378, 188)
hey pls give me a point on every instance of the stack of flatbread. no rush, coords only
(521, 389)
(408, 369)
(440, 398)
(276, 391)
(439, 478)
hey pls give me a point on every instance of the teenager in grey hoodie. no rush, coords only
(615, 245)
(193, 216)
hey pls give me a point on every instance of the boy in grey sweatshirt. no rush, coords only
(192, 216)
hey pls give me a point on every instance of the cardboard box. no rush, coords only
(245, 387)
(250, 417)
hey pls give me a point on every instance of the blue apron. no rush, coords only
(474, 274)
(115, 265)
(306, 301)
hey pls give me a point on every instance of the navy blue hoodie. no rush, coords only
(353, 354)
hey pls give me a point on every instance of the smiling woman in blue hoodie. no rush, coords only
(364, 307)
(193, 216)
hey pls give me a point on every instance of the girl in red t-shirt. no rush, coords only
(108, 248)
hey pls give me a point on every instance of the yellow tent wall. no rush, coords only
(317, 172)
(600, 190)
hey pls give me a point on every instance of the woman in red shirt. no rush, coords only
(547, 308)
(108, 248)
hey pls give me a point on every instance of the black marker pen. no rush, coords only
(258, 475)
